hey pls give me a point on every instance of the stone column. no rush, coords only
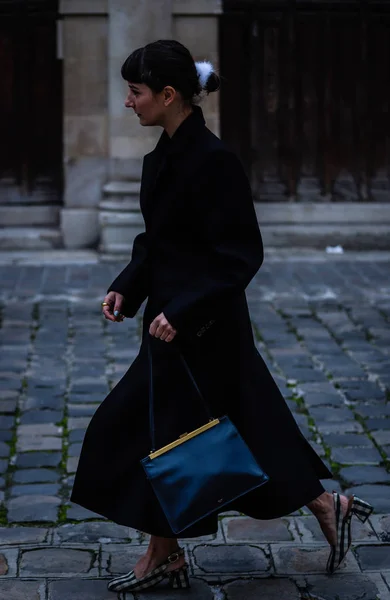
(132, 24)
(83, 45)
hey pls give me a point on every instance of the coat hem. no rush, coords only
(316, 491)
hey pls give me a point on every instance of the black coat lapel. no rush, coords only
(167, 151)
(153, 166)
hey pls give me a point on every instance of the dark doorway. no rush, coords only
(30, 103)
(305, 97)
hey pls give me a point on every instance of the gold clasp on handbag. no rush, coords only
(183, 438)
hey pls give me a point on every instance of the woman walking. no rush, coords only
(200, 250)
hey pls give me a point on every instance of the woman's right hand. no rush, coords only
(113, 310)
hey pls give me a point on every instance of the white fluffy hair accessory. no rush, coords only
(204, 69)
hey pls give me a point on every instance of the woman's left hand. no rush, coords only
(162, 329)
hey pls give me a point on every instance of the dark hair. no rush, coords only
(167, 62)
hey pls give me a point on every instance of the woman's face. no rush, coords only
(148, 106)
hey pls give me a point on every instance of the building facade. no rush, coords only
(304, 102)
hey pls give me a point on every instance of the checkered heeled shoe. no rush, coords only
(177, 579)
(362, 510)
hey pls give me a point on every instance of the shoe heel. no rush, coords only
(179, 579)
(361, 509)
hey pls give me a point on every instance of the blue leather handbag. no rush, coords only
(202, 471)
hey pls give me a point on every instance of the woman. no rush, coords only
(201, 248)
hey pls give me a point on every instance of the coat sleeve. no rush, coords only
(132, 282)
(229, 229)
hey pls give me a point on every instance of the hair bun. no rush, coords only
(208, 78)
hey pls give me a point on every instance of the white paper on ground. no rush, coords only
(334, 250)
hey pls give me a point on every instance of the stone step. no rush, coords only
(59, 256)
(121, 188)
(118, 230)
(323, 213)
(121, 195)
(357, 236)
(25, 216)
(30, 238)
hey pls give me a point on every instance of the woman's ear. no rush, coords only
(169, 94)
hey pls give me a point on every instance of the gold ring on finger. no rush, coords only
(105, 304)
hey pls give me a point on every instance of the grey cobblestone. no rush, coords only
(78, 513)
(386, 576)
(6, 421)
(373, 558)
(310, 531)
(342, 587)
(341, 440)
(34, 417)
(199, 591)
(118, 558)
(231, 558)
(330, 357)
(95, 532)
(326, 427)
(8, 406)
(76, 435)
(362, 474)
(74, 449)
(291, 560)
(377, 495)
(82, 410)
(42, 489)
(38, 459)
(22, 535)
(243, 529)
(58, 562)
(13, 589)
(26, 444)
(35, 476)
(27, 509)
(381, 524)
(71, 465)
(4, 450)
(379, 582)
(381, 437)
(356, 456)
(262, 589)
(89, 589)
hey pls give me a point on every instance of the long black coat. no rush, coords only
(201, 248)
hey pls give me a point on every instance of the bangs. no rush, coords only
(132, 68)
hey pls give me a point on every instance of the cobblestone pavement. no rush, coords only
(323, 326)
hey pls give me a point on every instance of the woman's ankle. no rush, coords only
(162, 547)
(320, 505)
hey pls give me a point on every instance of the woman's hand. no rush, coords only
(160, 328)
(113, 309)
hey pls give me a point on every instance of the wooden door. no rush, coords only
(30, 103)
(318, 89)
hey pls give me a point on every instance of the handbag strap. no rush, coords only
(151, 393)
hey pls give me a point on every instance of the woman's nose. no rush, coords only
(129, 102)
